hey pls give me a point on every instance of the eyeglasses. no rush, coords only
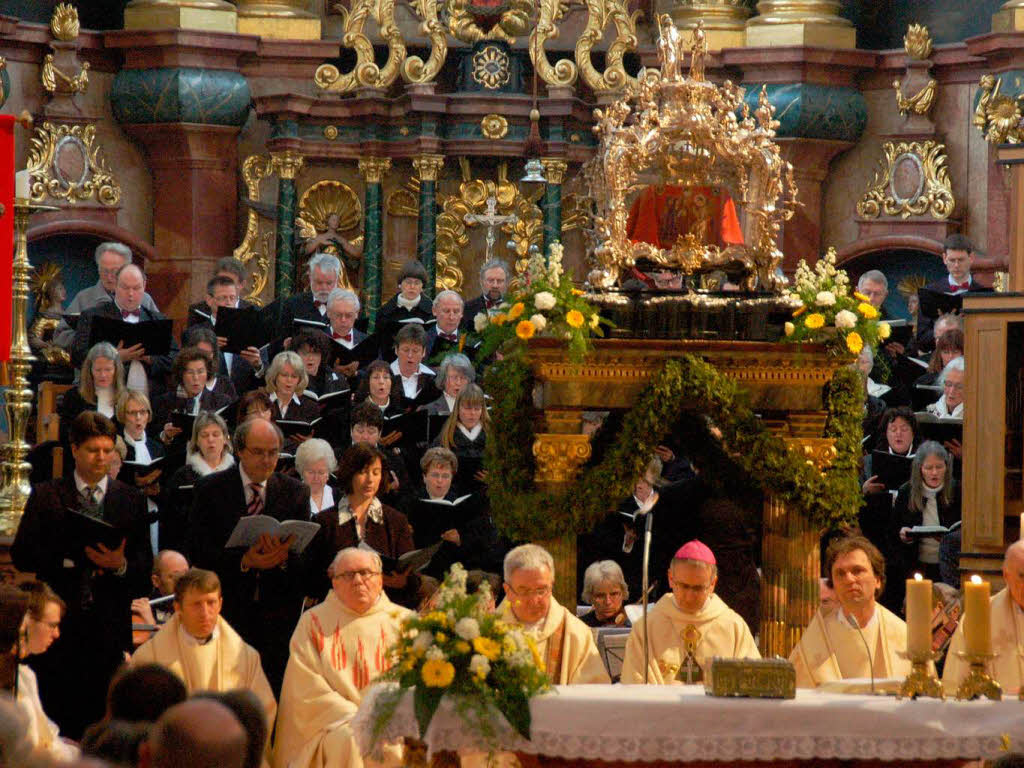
(696, 588)
(528, 593)
(318, 473)
(139, 412)
(363, 575)
(614, 595)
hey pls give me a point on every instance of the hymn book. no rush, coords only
(413, 561)
(241, 326)
(891, 469)
(87, 529)
(294, 427)
(153, 335)
(922, 531)
(941, 429)
(365, 351)
(249, 529)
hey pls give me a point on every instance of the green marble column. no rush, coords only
(428, 166)
(287, 164)
(551, 205)
(372, 169)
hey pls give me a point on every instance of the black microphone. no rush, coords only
(871, 664)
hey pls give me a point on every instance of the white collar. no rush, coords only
(952, 282)
(132, 441)
(247, 481)
(450, 401)
(473, 433)
(196, 461)
(326, 503)
(398, 371)
(382, 407)
(295, 398)
(194, 641)
(211, 383)
(844, 619)
(404, 303)
(81, 485)
(375, 512)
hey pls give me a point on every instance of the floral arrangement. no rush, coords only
(829, 312)
(460, 647)
(544, 304)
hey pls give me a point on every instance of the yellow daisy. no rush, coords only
(525, 329)
(860, 296)
(575, 318)
(800, 311)
(884, 330)
(854, 342)
(815, 321)
(868, 310)
(437, 673)
(499, 319)
(486, 647)
(516, 310)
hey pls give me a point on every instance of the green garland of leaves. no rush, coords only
(828, 499)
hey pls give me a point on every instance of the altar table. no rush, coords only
(680, 724)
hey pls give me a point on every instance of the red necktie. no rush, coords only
(317, 303)
(256, 505)
(449, 336)
(125, 314)
(491, 303)
(339, 337)
(960, 286)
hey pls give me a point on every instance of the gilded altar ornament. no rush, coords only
(428, 166)
(513, 20)
(491, 67)
(723, 20)
(47, 287)
(689, 132)
(404, 200)
(414, 69)
(365, 73)
(56, 81)
(599, 14)
(288, 163)
(912, 180)
(920, 103)
(921, 682)
(559, 457)
(977, 683)
(372, 169)
(64, 22)
(257, 250)
(328, 221)
(494, 127)
(330, 132)
(998, 116)
(564, 73)
(66, 162)
(917, 42)
(751, 678)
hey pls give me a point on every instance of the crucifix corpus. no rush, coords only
(492, 220)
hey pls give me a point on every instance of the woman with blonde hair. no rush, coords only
(286, 381)
(100, 386)
(465, 435)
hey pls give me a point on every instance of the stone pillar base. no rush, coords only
(217, 16)
(279, 27)
(801, 34)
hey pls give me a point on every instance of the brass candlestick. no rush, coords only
(920, 681)
(14, 471)
(977, 682)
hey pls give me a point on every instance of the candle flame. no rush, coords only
(975, 579)
(918, 577)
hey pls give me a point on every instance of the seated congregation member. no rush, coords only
(566, 644)
(410, 306)
(446, 336)
(168, 566)
(416, 379)
(361, 519)
(932, 497)
(96, 579)
(604, 587)
(208, 451)
(263, 585)
(493, 284)
(465, 435)
(200, 733)
(337, 650)
(286, 381)
(951, 404)
(1007, 622)
(142, 370)
(134, 412)
(454, 373)
(218, 381)
(40, 627)
(832, 647)
(689, 626)
(201, 648)
(100, 386)
(315, 463)
(189, 396)
(342, 312)
(460, 521)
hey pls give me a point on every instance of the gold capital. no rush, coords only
(819, 451)
(287, 163)
(372, 169)
(428, 166)
(554, 169)
(559, 457)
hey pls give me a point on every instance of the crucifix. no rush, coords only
(492, 220)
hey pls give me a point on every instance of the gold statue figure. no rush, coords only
(328, 222)
(48, 289)
(55, 81)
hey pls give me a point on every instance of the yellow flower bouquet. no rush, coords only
(829, 312)
(462, 649)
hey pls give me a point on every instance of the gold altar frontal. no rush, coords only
(785, 384)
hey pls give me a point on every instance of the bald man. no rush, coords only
(144, 371)
(1007, 630)
(199, 733)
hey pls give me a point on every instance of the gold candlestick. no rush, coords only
(977, 681)
(14, 471)
(920, 681)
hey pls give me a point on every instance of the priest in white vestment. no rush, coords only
(337, 650)
(689, 626)
(1007, 631)
(201, 648)
(565, 643)
(833, 646)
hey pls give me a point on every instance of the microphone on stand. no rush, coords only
(646, 587)
(871, 664)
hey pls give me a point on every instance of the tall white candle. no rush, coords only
(919, 615)
(21, 185)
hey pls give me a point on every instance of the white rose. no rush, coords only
(423, 641)
(434, 653)
(825, 299)
(467, 628)
(539, 321)
(481, 321)
(479, 665)
(845, 319)
(544, 300)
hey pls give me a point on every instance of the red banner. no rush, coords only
(6, 233)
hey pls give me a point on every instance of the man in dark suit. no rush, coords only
(143, 371)
(342, 312)
(447, 336)
(493, 284)
(243, 368)
(263, 585)
(958, 256)
(309, 307)
(97, 580)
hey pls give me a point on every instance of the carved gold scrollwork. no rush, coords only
(414, 69)
(256, 250)
(82, 176)
(819, 451)
(599, 13)
(997, 115)
(514, 21)
(932, 193)
(563, 73)
(366, 73)
(559, 457)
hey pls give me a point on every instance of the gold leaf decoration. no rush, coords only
(494, 126)
(256, 249)
(932, 194)
(917, 42)
(64, 22)
(49, 179)
(331, 197)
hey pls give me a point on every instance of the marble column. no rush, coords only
(554, 172)
(287, 164)
(428, 167)
(372, 169)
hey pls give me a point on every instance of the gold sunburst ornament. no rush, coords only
(490, 67)
(64, 22)
(494, 127)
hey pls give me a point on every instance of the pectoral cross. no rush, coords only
(690, 672)
(492, 220)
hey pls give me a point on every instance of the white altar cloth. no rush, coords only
(648, 723)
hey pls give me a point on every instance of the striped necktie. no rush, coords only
(256, 504)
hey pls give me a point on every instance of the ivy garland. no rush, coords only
(828, 499)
